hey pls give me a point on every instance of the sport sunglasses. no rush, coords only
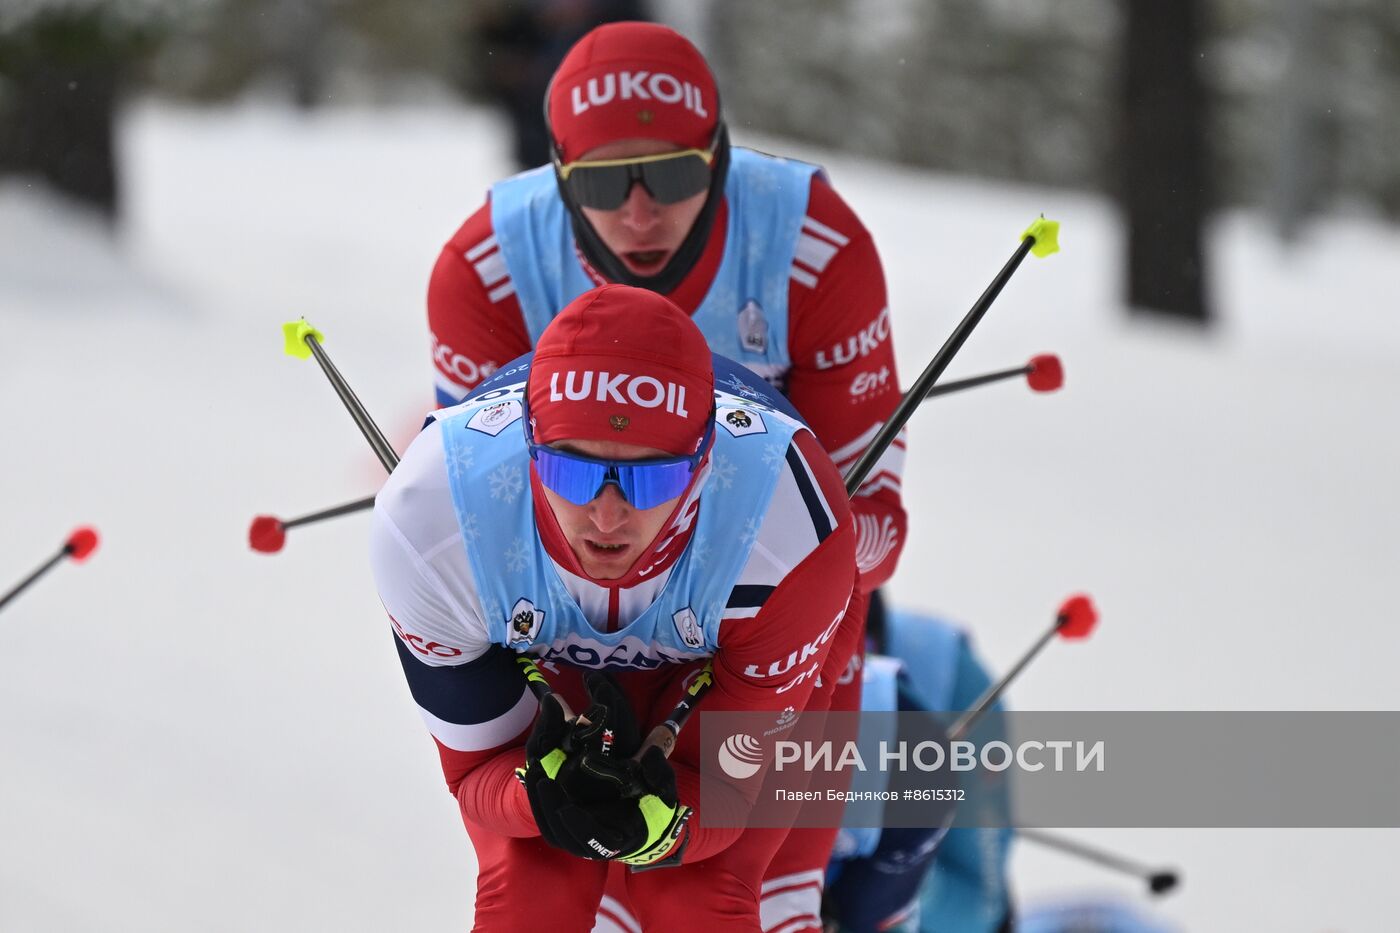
(603, 184)
(643, 483)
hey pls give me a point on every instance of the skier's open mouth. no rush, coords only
(647, 260)
(605, 550)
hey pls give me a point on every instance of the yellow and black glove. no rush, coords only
(589, 797)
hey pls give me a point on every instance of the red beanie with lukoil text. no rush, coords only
(632, 81)
(622, 364)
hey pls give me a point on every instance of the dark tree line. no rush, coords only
(61, 75)
(1164, 104)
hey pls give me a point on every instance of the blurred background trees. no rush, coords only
(516, 49)
(63, 66)
(1291, 106)
(1165, 190)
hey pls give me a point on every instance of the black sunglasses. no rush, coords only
(603, 184)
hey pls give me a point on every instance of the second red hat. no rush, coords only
(632, 81)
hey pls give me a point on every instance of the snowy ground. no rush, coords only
(197, 737)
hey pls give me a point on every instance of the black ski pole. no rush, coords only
(268, 533)
(79, 545)
(1043, 373)
(303, 340)
(1075, 619)
(1041, 238)
(1159, 881)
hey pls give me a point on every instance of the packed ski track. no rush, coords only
(200, 737)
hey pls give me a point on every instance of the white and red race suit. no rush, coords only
(792, 596)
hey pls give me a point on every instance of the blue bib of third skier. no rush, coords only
(744, 315)
(527, 605)
(931, 647)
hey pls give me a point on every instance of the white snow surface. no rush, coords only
(198, 737)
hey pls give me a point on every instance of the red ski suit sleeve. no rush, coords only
(843, 378)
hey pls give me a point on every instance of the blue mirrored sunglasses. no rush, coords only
(643, 483)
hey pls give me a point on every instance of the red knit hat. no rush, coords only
(622, 364)
(632, 81)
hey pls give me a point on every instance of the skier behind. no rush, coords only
(772, 266)
(922, 880)
(762, 254)
(597, 508)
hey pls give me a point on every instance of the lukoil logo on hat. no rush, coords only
(637, 85)
(620, 388)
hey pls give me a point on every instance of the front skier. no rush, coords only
(602, 514)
